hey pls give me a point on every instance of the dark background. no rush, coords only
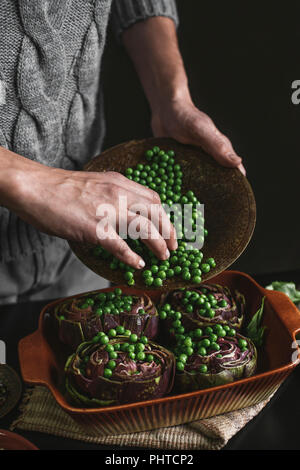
(241, 59)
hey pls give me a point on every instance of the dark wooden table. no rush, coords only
(276, 427)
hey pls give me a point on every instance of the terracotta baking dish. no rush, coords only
(42, 359)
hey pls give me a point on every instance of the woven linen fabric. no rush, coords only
(51, 104)
(40, 412)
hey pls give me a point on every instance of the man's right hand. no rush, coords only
(64, 203)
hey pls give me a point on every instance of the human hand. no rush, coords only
(184, 122)
(66, 203)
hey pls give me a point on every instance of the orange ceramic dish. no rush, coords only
(42, 359)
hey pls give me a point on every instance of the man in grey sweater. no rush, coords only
(51, 124)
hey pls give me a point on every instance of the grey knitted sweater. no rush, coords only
(50, 93)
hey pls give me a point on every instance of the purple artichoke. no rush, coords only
(213, 363)
(94, 379)
(207, 304)
(81, 318)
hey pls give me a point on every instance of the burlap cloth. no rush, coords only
(40, 412)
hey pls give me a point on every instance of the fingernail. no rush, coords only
(242, 169)
(167, 253)
(141, 263)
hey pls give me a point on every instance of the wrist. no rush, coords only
(15, 178)
(170, 96)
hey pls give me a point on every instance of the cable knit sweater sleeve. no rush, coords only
(127, 12)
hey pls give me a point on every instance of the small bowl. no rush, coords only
(229, 205)
(277, 359)
(12, 441)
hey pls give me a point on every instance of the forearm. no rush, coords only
(153, 48)
(12, 169)
(15, 172)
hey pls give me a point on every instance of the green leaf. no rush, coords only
(288, 288)
(254, 331)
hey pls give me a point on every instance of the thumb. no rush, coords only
(220, 148)
(216, 144)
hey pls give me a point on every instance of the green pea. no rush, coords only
(157, 282)
(104, 339)
(133, 338)
(213, 338)
(141, 355)
(203, 368)
(131, 355)
(222, 333)
(150, 357)
(120, 330)
(205, 342)
(99, 312)
(188, 341)
(215, 346)
(210, 313)
(107, 373)
(112, 333)
(198, 333)
(179, 365)
(167, 308)
(128, 275)
(147, 273)
(183, 358)
(205, 268)
(176, 324)
(197, 279)
(154, 269)
(177, 270)
(202, 351)
(163, 315)
(186, 276)
(109, 348)
(111, 364)
(113, 355)
(124, 346)
(149, 281)
(189, 350)
(162, 275)
(242, 343)
(223, 303)
(139, 347)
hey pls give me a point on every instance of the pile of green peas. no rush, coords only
(135, 347)
(164, 175)
(113, 302)
(199, 341)
(204, 303)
